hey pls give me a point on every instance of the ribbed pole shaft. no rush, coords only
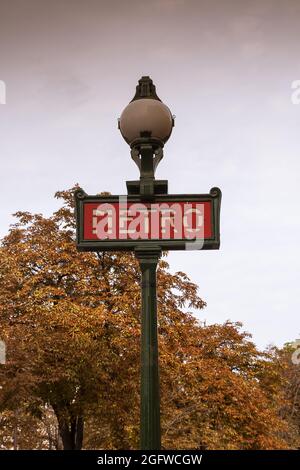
(150, 396)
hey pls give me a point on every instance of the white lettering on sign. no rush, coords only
(188, 220)
(155, 221)
(171, 220)
(134, 222)
(104, 221)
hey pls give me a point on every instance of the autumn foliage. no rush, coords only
(71, 323)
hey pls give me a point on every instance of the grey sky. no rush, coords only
(225, 69)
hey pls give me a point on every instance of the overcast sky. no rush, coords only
(225, 69)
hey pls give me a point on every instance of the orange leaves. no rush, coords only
(71, 322)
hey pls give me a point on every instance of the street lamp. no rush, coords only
(147, 221)
(146, 125)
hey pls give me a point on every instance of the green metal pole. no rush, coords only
(150, 397)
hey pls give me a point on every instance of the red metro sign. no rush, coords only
(144, 221)
(170, 221)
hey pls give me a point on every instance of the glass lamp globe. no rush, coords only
(146, 117)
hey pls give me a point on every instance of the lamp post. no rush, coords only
(148, 221)
(146, 124)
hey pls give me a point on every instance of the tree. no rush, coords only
(21, 430)
(288, 359)
(71, 322)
